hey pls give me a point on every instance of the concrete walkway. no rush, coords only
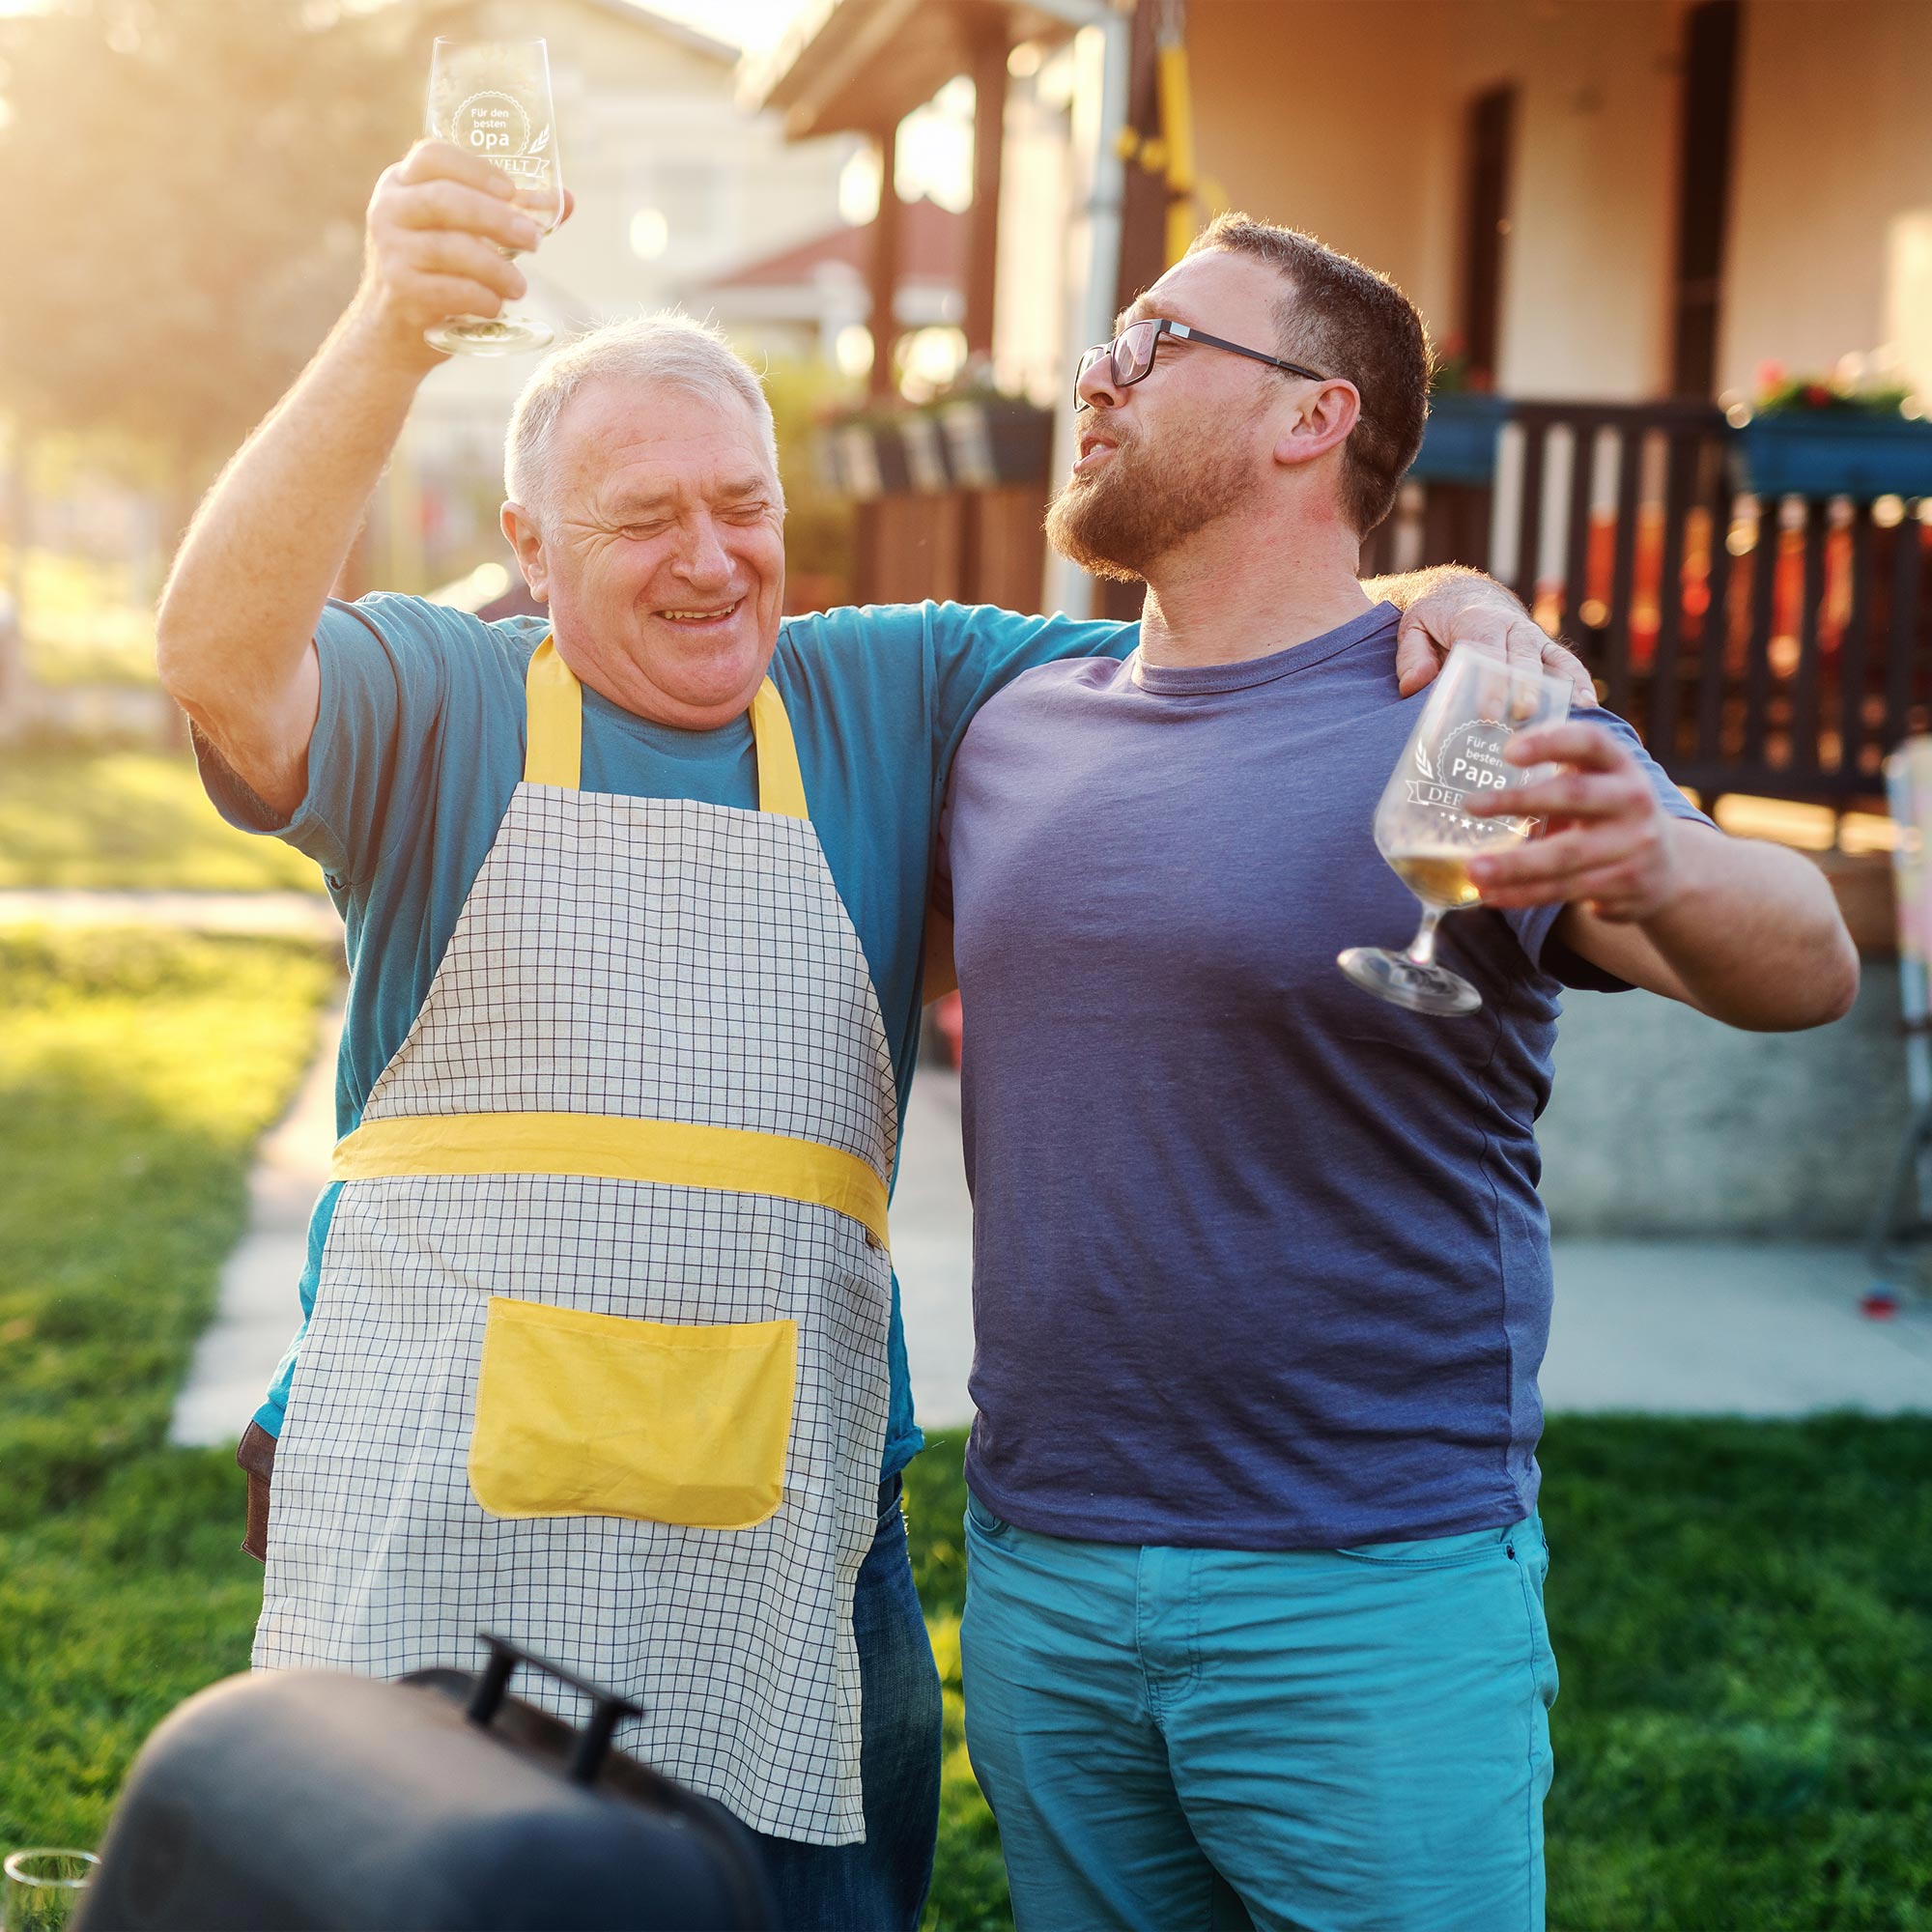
(932, 1250)
(277, 915)
(1670, 1327)
(1728, 1328)
(258, 1310)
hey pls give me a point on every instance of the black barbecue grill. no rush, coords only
(309, 1802)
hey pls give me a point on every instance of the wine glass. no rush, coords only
(491, 99)
(1455, 751)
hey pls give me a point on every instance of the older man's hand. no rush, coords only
(1458, 606)
(439, 225)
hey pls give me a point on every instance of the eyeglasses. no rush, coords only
(1130, 354)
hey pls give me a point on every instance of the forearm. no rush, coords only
(247, 587)
(1751, 936)
(1410, 585)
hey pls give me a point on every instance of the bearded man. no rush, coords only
(1254, 1628)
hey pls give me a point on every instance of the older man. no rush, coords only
(602, 1345)
(1254, 1628)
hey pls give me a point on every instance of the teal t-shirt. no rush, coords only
(419, 745)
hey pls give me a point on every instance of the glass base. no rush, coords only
(1396, 978)
(489, 335)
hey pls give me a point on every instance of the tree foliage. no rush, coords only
(187, 179)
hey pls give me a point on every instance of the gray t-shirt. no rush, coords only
(1258, 1260)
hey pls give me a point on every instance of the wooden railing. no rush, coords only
(1774, 645)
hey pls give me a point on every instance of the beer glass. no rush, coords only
(491, 99)
(44, 1889)
(1454, 752)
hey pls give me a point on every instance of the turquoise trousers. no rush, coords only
(1331, 1741)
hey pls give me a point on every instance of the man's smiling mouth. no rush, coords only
(717, 614)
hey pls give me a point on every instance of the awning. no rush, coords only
(862, 64)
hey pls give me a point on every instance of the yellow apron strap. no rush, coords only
(780, 786)
(556, 699)
(556, 752)
(676, 1154)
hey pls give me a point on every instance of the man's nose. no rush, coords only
(702, 559)
(1096, 387)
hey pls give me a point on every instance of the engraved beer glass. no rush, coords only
(491, 99)
(1454, 752)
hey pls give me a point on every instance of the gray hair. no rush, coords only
(666, 348)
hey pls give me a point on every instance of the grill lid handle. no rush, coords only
(608, 1709)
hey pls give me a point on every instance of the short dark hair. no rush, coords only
(1344, 319)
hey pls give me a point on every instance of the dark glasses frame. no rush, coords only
(1149, 330)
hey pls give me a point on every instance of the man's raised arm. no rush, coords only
(236, 631)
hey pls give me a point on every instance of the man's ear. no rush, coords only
(526, 540)
(1321, 421)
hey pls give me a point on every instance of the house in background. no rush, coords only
(809, 300)
(1619, 210)
(862, 68)
(1621, 201)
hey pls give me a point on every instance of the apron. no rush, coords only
(598, 1352)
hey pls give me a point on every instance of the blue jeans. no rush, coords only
(1328, 1740)
(879, 1886)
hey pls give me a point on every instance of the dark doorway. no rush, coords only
(1703, 192)
(1492, 133)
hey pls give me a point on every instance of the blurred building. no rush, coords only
(807, 299)
(674, 183)
(1624, 200)
(1612, 213)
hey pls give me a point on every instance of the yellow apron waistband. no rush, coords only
(606, 1146)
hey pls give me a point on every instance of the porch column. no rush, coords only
(1143, 207)
(990, 130)
(1142, 228)
(886, 256)
(867, 535)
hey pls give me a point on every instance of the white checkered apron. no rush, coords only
(639, 960)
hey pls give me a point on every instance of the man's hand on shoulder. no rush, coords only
(1452, 605)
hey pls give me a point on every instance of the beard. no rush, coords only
(1119, 522)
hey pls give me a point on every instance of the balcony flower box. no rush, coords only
(927, 467)
(975, 442)
(1459, 445)
(1835, 453)
(997, 439)
(864, 457)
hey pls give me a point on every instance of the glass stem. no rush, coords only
(1422, 948)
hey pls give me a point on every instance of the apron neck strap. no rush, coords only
(556, 749)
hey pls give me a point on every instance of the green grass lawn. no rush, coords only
(136, 1073)
(1742, 1612)
(120, 820)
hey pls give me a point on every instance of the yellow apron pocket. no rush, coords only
(581, 1414)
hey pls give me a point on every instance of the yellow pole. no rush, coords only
(1176, 126)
